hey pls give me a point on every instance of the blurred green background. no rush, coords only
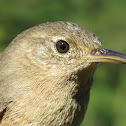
(107, 19)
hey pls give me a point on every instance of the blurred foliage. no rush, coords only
(105, 18)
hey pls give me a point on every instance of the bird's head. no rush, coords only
(60, 49)
(63, 46)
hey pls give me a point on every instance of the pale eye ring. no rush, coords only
(62, 46)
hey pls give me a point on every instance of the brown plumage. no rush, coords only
(46, 74)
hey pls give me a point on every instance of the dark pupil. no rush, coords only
(62, 46)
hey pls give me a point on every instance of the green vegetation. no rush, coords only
(107, 19)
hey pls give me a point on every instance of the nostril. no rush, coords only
(102, 50)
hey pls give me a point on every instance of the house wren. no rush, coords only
(46, 74)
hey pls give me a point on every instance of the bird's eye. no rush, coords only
(62, 46)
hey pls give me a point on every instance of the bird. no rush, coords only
(46, 74)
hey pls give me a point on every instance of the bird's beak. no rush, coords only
(106, 55)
